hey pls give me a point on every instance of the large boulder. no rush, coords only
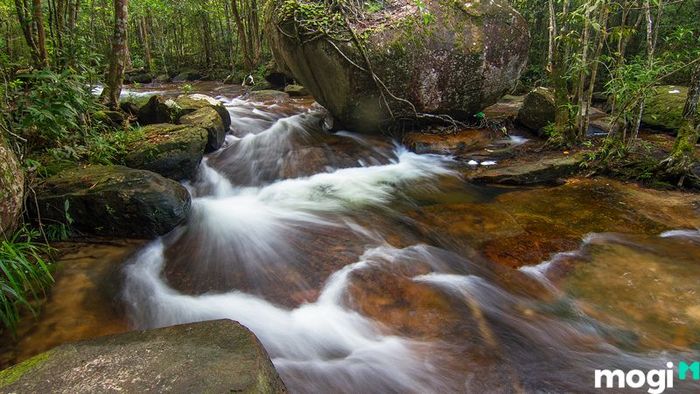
(663, 108)
(173, 151)
(218, 356)
(112, 201)
(208, 119)
(538, 109)
(445, 57)
(187, 75)
(189, 103)
(158, 109)
(11, 189)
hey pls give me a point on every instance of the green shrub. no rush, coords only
(25, 275)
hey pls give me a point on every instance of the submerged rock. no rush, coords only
(445, 58)
(218, 356)
(173, 151)
(208, 119)
(189, 103)
(11, 188)
(112, 201)
(538, 109)
(456, 143)
(664, 107)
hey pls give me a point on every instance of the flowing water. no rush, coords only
(364, 267)
(304, 237)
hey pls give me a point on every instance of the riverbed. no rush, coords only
(363, 266)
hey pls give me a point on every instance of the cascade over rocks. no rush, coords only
(11, 189)
(218, 356)
(112, 201)
(447, 58)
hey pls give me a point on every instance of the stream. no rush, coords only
(364, 267)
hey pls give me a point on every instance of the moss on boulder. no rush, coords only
(112, 201)
(218, 356)
(208, 119)
(444, 58)
(663, 108)
(189, 103)
(173, 151)
(11, 188)
(538, 109)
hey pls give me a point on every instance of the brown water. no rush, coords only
(363, 267)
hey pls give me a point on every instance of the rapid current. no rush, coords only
(301, 236)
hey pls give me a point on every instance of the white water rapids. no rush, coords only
(259, 221)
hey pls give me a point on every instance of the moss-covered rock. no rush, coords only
(664, 107)
(445, 57)
(189, 103)
(538, 109)
(218, 356)
(110, 118)
(296, 90)
(173, 151)
(112, 201)
(11, 188)
(208, 119)
(266, 96)
(159, 109)
(138, 76)
(187, 75)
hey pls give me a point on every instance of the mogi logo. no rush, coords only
(657, 380)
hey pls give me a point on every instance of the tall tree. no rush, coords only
(117, 61)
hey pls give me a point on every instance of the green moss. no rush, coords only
(14, 373)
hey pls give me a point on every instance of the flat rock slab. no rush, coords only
(218, 356)
(546, 170)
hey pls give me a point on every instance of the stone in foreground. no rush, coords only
(112, 201)
(218, 356)
(444, 57)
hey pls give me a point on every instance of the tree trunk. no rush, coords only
(115, 73)
(38, 19)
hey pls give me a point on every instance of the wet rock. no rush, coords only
(214, 356)
(296, 90)
(11, 189)
(266, 96)
(663, 108)
(208, 119)
(187, 75)
(464, 60)
(152, 109)
(163, 78)
(173, 151)
(538, 109)
(112, 201)
(546, 170)
(189, 103)
(456, 143)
